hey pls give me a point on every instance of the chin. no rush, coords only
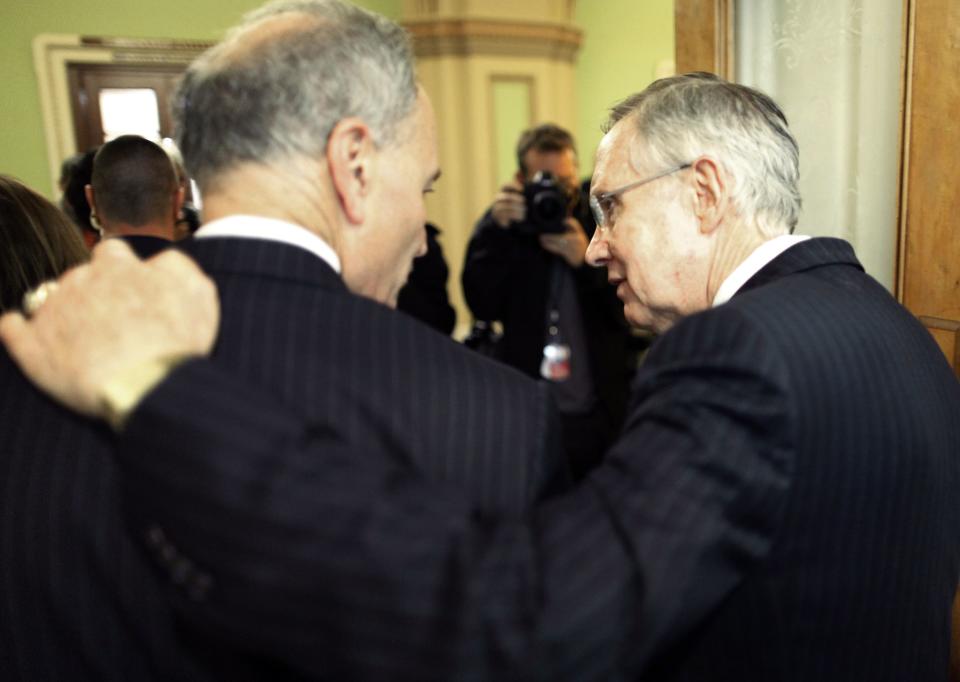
(645, 327)
(637, 319)
(646, 322)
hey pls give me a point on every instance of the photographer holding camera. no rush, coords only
(561, 321)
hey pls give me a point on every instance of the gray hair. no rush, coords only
(280, 96)
(683, 117)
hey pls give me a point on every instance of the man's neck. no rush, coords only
(258, 191)
(161, 230)
(734, 246)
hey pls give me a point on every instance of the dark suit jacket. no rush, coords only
(79, 597)
(782, 505)
(386, 384)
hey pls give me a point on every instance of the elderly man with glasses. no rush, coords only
(781, 505)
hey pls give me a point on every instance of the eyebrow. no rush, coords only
(433, 178)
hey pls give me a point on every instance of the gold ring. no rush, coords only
(33, 299)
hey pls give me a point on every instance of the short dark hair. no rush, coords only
(546, 137)
(67, 170)
(133, 180)
(75, 200)
(37, 242)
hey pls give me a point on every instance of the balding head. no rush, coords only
(309, 113)
(134, 187)
(279, 83)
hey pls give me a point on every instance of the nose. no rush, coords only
(598, 252)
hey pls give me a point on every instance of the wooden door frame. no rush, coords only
(53, 52)
(906, 104)
(704, 36)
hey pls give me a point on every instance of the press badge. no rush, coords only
(555, 365)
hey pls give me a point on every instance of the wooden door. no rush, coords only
(87, 81)
(929, 250)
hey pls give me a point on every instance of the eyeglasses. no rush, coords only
(600, 203)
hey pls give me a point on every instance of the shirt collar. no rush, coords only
(270, 229)
(753, 263)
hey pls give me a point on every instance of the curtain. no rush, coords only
(835, 68)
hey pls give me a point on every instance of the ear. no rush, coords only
(712, 193)
(520, 177)
(88, 191)
(350, 160)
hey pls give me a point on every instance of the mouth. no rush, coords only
(617, 282)
(620, 283)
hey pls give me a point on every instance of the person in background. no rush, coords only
(38, 242)
(67, 169)
(188, 221)
(561, 321)
(134, 194)
(424, 296)
(74, 199)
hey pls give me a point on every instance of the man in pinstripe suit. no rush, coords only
(313, 148)
(782, 504)
(313, 179)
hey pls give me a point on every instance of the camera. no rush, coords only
(547, 204)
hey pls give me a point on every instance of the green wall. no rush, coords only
(624, 40)
(22, 147)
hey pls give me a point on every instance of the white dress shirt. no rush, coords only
(270, 229)
(753, 263)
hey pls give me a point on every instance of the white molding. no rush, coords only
(51, 54)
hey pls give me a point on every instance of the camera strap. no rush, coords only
(555, 365)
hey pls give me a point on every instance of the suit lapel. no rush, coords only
(809, 254)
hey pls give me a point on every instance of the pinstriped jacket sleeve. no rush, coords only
(346, 566)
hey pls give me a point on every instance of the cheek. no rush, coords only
(411, 241)
(415, 234)
(416, 219)
(637, 280)
(630, 254)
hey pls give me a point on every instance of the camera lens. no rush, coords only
(546, 203)
(549, 206)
